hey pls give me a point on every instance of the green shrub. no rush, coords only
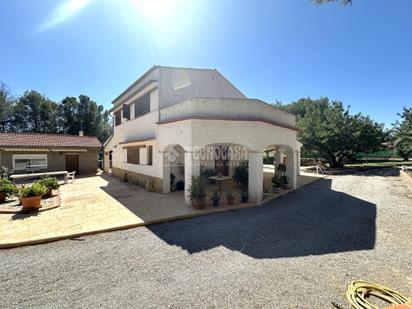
(7, 187)
(49, 182)
(198, 187)
(215, 196)
(35, 189)
(241, 175)
(281, 168)
(207, 172)
(275, 182)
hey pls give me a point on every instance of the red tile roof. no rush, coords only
(10, 139)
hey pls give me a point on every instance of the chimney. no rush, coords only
(80, 132)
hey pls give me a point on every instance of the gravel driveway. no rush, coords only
(298, 251)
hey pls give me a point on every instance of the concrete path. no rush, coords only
(98, 204)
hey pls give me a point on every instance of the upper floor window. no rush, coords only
(118, 117)
(126, 111)
(142, 105)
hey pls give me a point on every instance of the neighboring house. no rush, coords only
(180, 120)
(36, 152)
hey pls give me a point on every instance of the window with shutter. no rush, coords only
(133, 155)
(142, 105)
(126, 111)
(118, 118)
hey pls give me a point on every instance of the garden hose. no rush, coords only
(359, 291)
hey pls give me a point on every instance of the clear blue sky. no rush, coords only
(272, 50)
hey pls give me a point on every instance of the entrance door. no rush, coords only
(221, 160)
(72, 163)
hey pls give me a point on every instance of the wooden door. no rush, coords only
(72, 163)
(221, 160)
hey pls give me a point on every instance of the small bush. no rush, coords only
(49, 183)
(7, 187)
(197, 188)
(241, 175)
(35, 189)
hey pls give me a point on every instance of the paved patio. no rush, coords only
(103, 203)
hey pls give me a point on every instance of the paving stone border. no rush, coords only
(13, 206)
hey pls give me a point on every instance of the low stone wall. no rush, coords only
(407, 179)
(150, 183)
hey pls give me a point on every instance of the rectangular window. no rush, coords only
(126, 111)
(142, 105)
(149, 155)
(133, 155)
(29, 162)
(118, 117)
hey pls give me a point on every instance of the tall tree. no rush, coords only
(86, 115)
(35, 113)
(69, 109)
(329, 129)
(6, 107)
(403, 134)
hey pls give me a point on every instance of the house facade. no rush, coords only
(34, 152)
(177, 121)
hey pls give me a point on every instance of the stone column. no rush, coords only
(291, 168)
(298, 161)
(106, 162)
(166, 171)
(255, 176)
(192, 168)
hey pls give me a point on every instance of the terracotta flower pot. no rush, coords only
(32, 202)
(2, 197)
(199, 203)
(48, 193)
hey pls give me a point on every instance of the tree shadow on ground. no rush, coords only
(313, 220)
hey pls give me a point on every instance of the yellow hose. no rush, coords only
(359, 291)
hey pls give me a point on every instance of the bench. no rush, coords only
(66, 175)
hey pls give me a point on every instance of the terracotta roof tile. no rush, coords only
(10, 139)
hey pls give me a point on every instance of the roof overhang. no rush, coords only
(149, 86)
(274, 123)
(43, 149)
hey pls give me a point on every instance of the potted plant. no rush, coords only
(198, 192)
(241, 175)
(244, 197)
(281, 168)
(276, 185)
(50, 183)
(6, 189)
(215, 198)
(230, 198)
(285, 182)
(207, 172)
(31, 196)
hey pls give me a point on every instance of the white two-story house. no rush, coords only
(178, 120)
